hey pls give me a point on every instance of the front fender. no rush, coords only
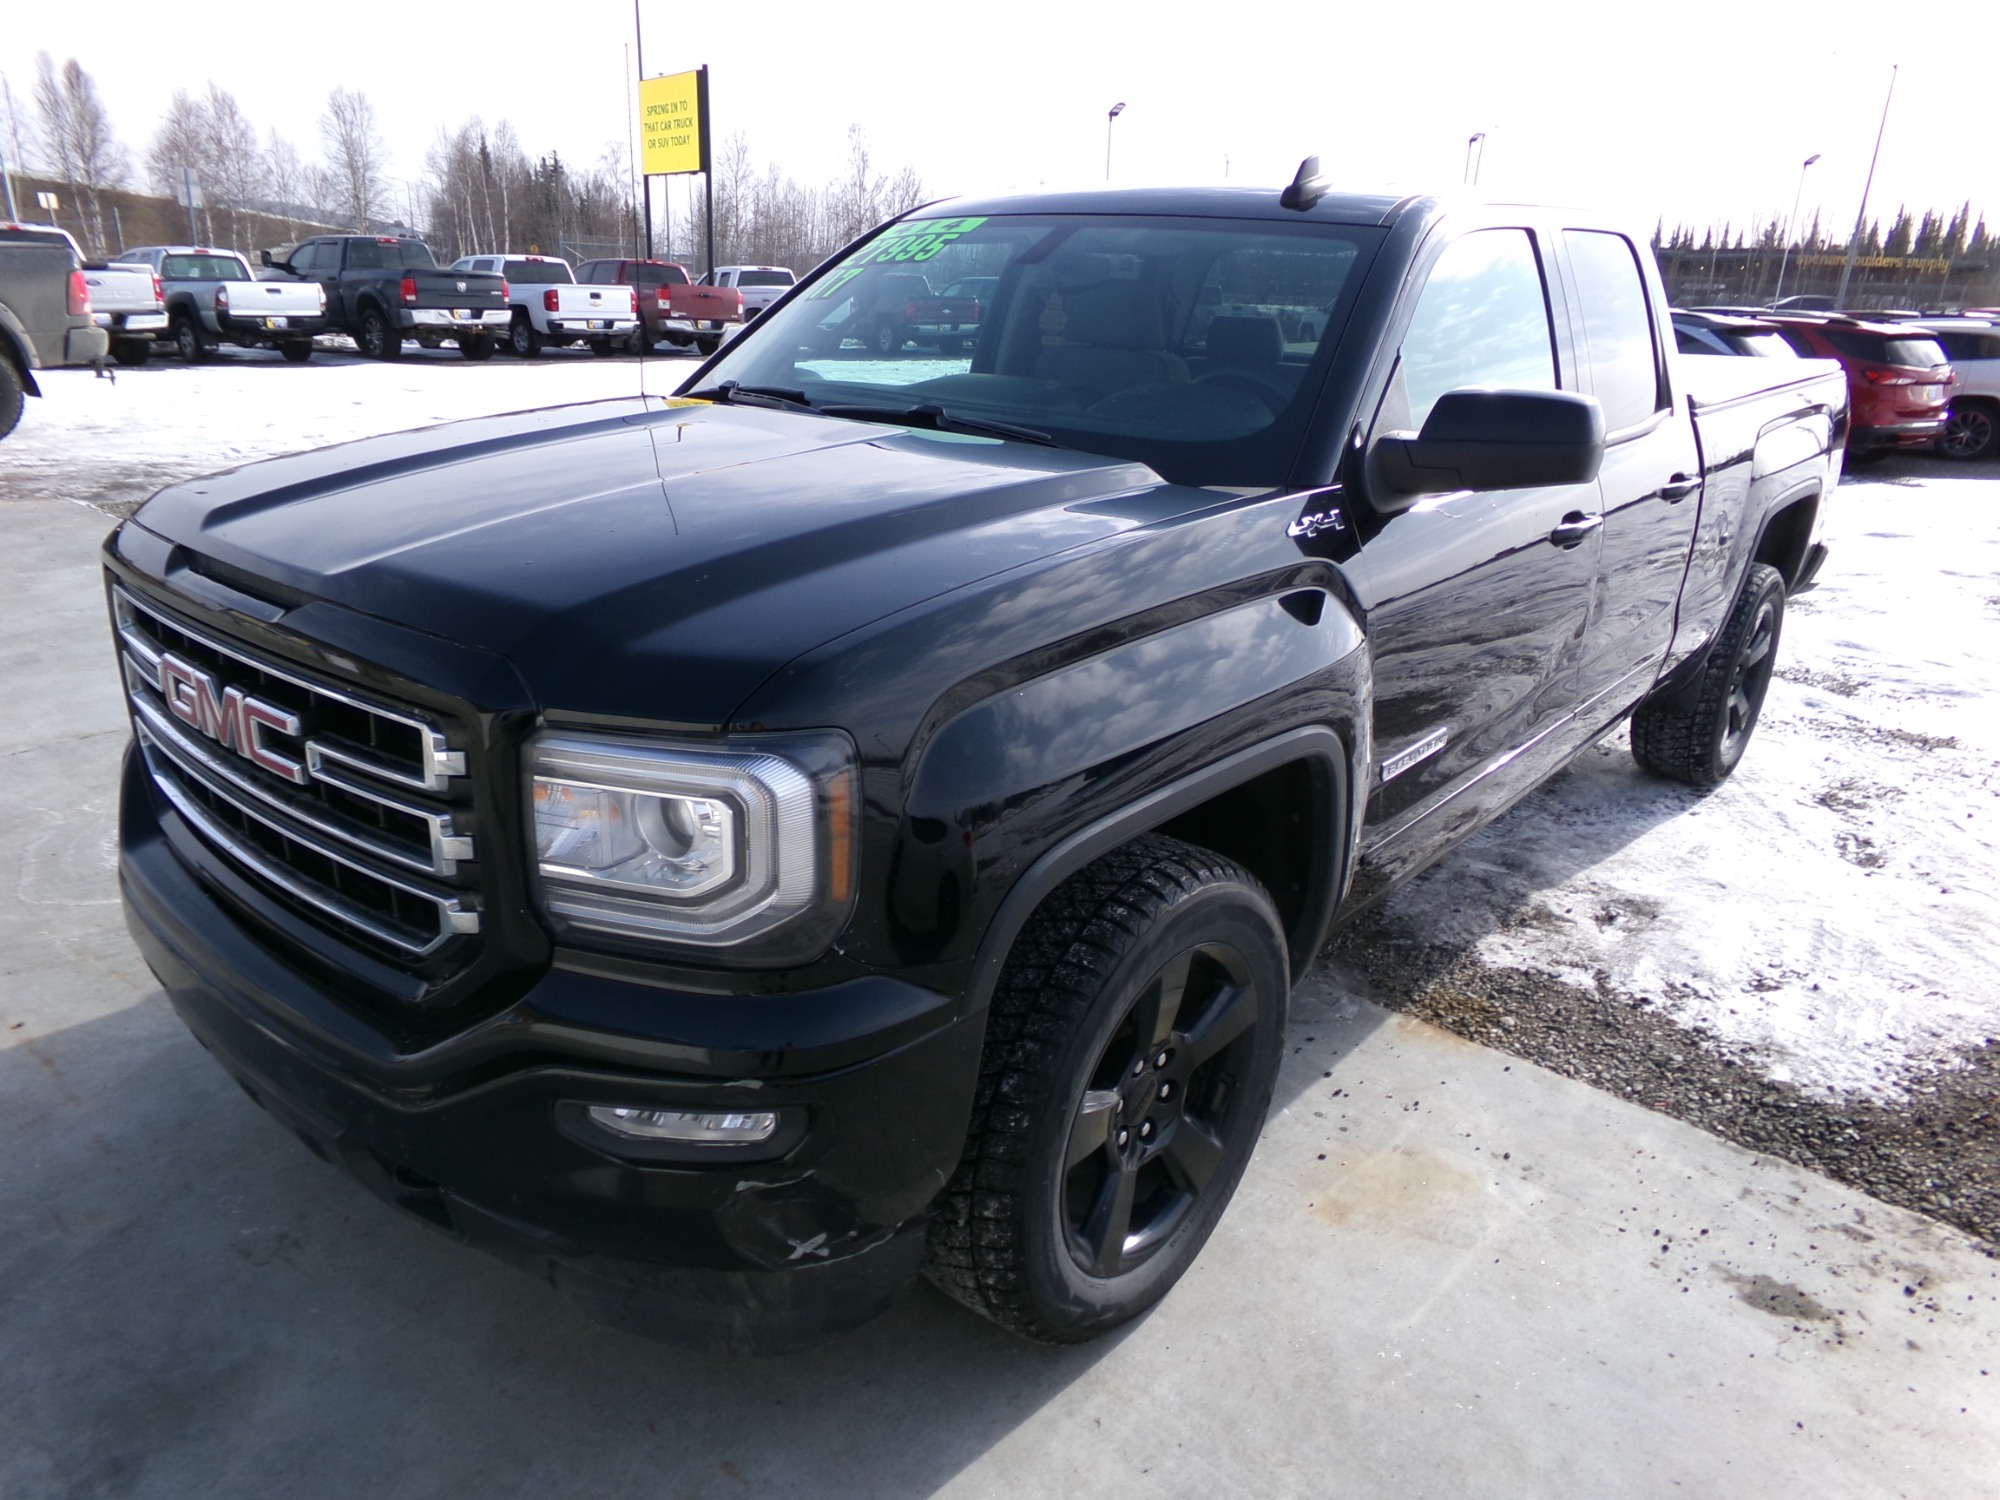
(20, 348)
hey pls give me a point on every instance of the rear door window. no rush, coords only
(1617, 327)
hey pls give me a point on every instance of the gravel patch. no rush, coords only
(1937, 1152)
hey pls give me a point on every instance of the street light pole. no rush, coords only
(1791, 228)
(1854, 240)
(1477, 138)
(1116, 110)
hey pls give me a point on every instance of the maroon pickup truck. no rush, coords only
(670, 304)
(950, 320)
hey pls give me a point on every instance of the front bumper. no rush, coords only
(492, 320)
(741, 1249)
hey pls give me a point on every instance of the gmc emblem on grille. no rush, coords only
(228, 716)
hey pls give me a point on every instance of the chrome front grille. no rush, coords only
(349, 807)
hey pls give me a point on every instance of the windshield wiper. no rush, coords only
(937, 419)
(779, 397)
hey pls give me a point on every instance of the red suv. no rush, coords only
(1898, 380)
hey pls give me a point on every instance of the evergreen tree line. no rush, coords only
(481, 190)
(1934, 236)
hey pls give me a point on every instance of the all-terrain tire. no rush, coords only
(13, 396)
(1131, 1048)
(1703, 744)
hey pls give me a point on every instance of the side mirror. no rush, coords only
(265, 257)
(1491, 440)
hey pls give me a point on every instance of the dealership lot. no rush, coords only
(1448, 1269)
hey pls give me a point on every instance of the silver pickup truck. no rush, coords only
(212, 299)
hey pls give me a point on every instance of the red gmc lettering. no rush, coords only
(230, 718)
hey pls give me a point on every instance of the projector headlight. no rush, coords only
(743, 849)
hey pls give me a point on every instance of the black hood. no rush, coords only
(630, 557)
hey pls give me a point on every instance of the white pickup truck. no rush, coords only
(127, 303)
(550, 307)
(760, 285)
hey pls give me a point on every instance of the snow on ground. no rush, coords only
(1832, 911)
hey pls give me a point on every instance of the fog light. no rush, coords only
(711, 1127)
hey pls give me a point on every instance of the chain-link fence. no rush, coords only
(1749, 277)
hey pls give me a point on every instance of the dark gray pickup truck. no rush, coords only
(730, 854)
(383, 290)
(45, 317)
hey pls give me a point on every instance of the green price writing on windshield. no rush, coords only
(913, 242)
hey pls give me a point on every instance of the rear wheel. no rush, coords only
(132, 351)
(296, 351)
(378, 339)
(1130, 1055)
(524, 340)
(1971, 431)
(476, 346)
(188, 341)
(1701, 745)
(13, 396)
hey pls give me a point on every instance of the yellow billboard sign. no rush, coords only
(673, 123)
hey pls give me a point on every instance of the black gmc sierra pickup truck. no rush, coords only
(732, 853)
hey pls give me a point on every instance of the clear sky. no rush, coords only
(1697, 111)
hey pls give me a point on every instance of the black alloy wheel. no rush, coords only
(1703, 742)
(1131, 1049)
(1971, 431)
(378, 340)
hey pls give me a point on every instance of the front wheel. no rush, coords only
(1130, 1054)
(1971, 431)
(188, 342)
(378, 339)
(525, 341)
(296, 351)
(132, 351)
(1702, 744)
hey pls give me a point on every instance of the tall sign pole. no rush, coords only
(707, 167)
(1854, 240)
(645, 175)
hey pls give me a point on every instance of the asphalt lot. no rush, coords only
(1448, 1272)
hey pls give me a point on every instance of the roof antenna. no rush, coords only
(1307, 188)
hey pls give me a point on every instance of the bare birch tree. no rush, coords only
(76, 134)
(355, 154)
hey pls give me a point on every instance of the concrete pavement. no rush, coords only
(1448, 1272)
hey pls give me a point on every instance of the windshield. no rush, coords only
(1192, 345)
(537, 272)
(202, 268)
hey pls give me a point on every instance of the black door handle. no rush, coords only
(1679, 488)
(1575, 527)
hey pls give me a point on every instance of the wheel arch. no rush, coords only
(18, 350)
(1785, 538)
(1223, 807)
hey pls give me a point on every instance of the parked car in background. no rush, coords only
(384, 289)
(671, 305)
(760, 285)
(1972, 425)
(950, 320)
(1898, 380)
(126, 302)
(1725, 333)
(213, 299)
(550, 307)
(876, 312)
(44, 313)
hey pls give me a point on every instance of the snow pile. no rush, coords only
(1831, 910)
